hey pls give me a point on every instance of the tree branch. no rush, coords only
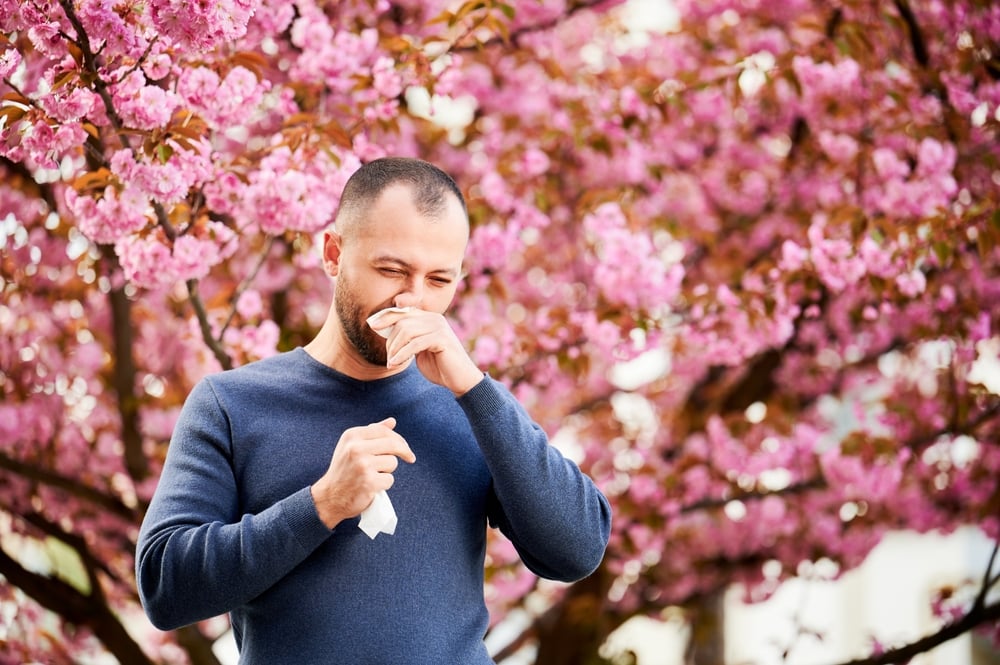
(551, 23)
(917, 42)
(90, 62)
(206, 327)
(124, 373)
(988, 582)
(245, 284)
(75, 608)
(76, 543)
(79, 490)
(977, 616)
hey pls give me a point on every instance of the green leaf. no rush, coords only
(164, 153)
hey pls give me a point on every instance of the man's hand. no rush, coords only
(362, 465)
(429, 338)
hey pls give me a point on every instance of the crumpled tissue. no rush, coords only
(374, 317)
(379, 517)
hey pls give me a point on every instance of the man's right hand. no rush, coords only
(362, 465)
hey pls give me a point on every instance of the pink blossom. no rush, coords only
(289, 199)
(167, 181)
(605, 337)
(107, 29)
(981, 328)
(487, 351)
(199, 26)
(223, 103)
(157, 66)
(878, 261)
(198, 86)
(10, 60)
(46, 39)
(935, 158)
(821, 79)
(491, 246)
(47, 145)
(838, 147)
(835, 265)
(494, 190)
(534, 162)
(259, 341)
(385, 79)
(911, 284)
(143, 106)
(114, 214)
(71, 104)
(629, 269)
(250, 304)
(888, 165)
(149, 263)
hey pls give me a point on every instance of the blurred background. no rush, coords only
(738, 258)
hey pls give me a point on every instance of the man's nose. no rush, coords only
(412, 296)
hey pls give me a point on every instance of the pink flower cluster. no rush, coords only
(225, 103)
(929, 189)
(288, 191)
(630, 269)
(200, 26)
(150, 263)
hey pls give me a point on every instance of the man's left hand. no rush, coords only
(428, 337)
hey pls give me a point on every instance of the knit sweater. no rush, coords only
(232, 526)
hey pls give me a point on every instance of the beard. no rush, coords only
(369, 345)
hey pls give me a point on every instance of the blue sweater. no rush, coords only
(232, 526)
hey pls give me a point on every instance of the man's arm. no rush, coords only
(197, 556)
(555, 516)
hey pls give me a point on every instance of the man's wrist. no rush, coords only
(469, 381)
(323, 508)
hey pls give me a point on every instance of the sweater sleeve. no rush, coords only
(197, 556)
(555, 516)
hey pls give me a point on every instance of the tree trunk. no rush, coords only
(708, 643)
(573, 634)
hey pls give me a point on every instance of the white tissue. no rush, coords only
(379, 517)
(374, 317)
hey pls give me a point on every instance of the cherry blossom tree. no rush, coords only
(740, 259)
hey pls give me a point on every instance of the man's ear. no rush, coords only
(332, 242)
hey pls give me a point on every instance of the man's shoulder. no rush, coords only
(271, 370)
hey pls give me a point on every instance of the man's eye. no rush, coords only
(440, 281)
(391, 272)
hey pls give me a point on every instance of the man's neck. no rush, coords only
(331, 348)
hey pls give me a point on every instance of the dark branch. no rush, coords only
(124, 372)
(976, 617)
(913, 30)
(75, 608)
(245, 284)
(90, 62)
(206, 327)
(77, 489)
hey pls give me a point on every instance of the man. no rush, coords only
(270, 465)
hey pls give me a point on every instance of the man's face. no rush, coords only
(395, 258)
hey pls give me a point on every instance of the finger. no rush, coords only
(376, 430)
(386, 463)
(405, 453)
(388, 442)
(399, 350)
(383, 321)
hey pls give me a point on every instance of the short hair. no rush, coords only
(429, 184)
